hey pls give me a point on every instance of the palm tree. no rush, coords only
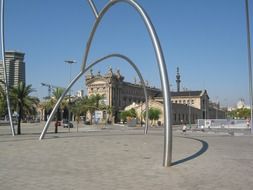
(79, 108)
(22, 101)
(88, 104)
(3, 105)
(56, 95)
(153, 114)
(97, 98)
(2, 101)
(93, 103)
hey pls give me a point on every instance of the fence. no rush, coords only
(222, 123)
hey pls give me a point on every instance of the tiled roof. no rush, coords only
(187, 93)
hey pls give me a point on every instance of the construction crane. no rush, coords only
(50, 88)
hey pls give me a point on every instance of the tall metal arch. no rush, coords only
(167, 157)
(84, 71)
(4, 68)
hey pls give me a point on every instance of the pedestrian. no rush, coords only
(184, 129)
(248, 123)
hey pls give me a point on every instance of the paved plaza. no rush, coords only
(121, 158)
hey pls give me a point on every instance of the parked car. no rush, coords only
(67, 124)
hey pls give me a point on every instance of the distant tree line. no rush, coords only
(153, 115)
(26, 106)
(22, 103)
(242, 113)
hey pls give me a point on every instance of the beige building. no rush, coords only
(118, 93)
(187, 106)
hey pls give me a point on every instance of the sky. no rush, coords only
(206, 39)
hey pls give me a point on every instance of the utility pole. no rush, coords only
(189, 114)
(70, 62)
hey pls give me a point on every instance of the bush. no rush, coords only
(128, 114)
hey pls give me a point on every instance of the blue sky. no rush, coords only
(206, 39)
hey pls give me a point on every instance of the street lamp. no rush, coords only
(217, 108)
(70, 62)
(188, 103)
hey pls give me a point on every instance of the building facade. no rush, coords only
(15, 68)
(187, 106)
(194, 99)
(117, 93)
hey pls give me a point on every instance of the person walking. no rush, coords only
(184, 129)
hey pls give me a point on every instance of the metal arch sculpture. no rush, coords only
(83, 72)
(161, 64)
(4, 68)
(167, 158)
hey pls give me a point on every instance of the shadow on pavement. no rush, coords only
(195, 155)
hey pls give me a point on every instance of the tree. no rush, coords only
(88, 104)
(153, 114)
(132, 113)
(57, 92)
(95, 100)
(123, 116)
(109, 111)
(2, 101)
(128, 114)
(94, 104)
(241, 113)
(22, 101)
(79, 108)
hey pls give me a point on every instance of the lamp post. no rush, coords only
(106, 107)
(217, 108)
(70, 62)
(141, 114)
(188, 103)
(249, 63)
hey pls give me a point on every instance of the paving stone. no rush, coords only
(120, 158)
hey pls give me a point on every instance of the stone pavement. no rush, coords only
(120, 158)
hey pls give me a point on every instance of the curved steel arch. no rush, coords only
(84, 71)
(167, 157)
(4, 68)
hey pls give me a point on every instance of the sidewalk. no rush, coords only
(123, 159)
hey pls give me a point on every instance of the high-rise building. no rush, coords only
(15, 68)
